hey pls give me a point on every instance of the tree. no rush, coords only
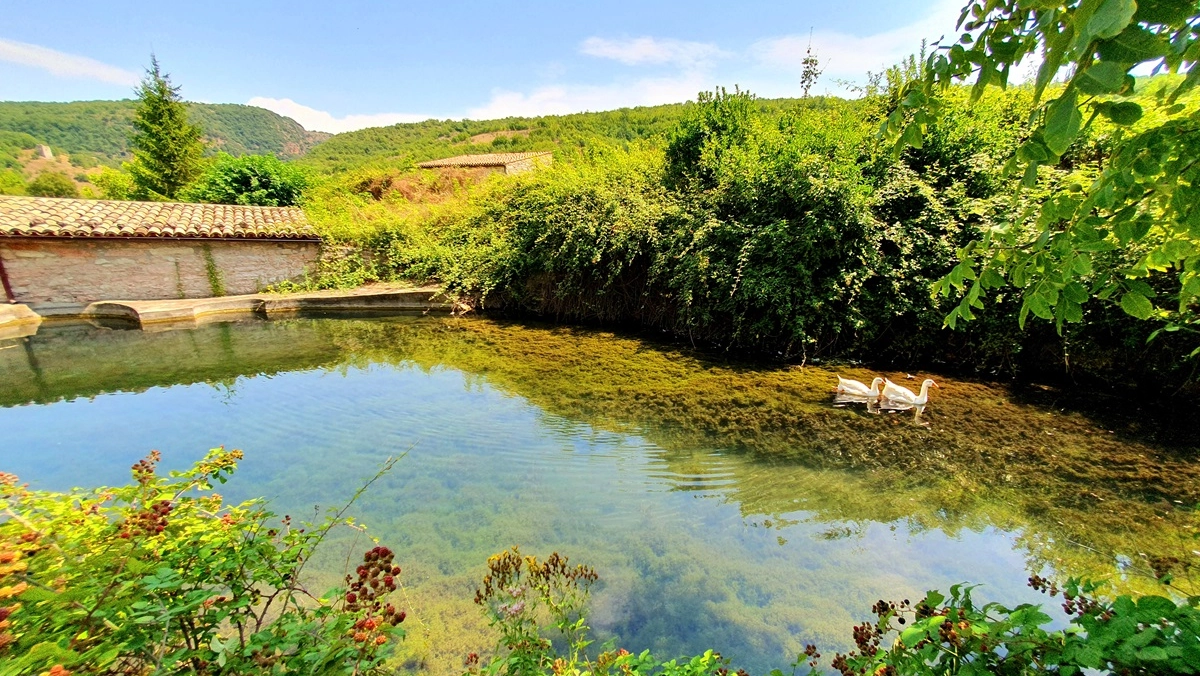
(114, 184)
(1133, 228)
(166, 147)
(52, 184)
(256, 180)
(811, 69)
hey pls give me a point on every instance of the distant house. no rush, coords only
(509, 163)
(57, 255)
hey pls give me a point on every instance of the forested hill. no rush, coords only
(434, 139)
(102, 128)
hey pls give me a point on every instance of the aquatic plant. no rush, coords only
(519, 594)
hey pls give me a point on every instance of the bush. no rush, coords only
(253, 180)
(52, 184)
(114, 184)
(12, 182)
(163, 577)
(940, 635)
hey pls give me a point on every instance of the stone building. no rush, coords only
(509, 163)
(57, 255)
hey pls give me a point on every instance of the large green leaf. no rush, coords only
(1137, 305)
(1133, 45)
(1170, 12)
(1105, 77)
(1063, 120)
(1123, 113)
(1109, 19)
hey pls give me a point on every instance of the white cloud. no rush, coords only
(319, 120)
(648, 50)
(692, 62)
(771, 66)
(850, 56)
(62, 64)
(565, 99)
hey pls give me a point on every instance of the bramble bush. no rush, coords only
(163, 577)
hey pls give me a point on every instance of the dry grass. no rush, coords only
(424, 187)
(488, 137)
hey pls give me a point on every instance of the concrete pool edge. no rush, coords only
(21, 320)
(17, 320)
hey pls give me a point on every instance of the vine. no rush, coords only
(215, 282)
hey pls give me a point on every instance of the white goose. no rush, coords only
(903, 395)
(856, 389)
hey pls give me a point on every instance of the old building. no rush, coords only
(509, 163)
(57, 255)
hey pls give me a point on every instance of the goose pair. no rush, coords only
(890, 391)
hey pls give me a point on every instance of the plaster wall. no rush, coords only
(66, 273)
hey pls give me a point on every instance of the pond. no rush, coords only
(724, 504)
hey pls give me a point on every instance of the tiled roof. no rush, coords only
(63, 217)
(488, 160)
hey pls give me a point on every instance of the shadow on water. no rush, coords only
(725, 504)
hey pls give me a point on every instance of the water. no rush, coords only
(724, 505)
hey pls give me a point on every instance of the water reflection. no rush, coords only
(724, 504)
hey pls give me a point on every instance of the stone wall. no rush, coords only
(65, 274)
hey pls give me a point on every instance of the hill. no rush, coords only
(100, 129)
(408, 143)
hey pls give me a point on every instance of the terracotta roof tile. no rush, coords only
(63, 217)
(488, 160)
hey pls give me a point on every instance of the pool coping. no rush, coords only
(18, 320)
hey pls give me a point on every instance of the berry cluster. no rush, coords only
(151, 521)
(143, 470)
(868, 636)
(376, 578)
(1073, 604)
(810, 651)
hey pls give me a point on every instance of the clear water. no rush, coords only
(724, 505)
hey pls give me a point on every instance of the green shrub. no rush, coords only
(253, 180)
(114, 184)
(942, 636)
(12, 182)
(163, 577)
(52, 184)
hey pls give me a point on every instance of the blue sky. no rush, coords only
(339, 66)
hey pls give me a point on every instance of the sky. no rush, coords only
(338, 66)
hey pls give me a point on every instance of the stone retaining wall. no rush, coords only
(65, 274)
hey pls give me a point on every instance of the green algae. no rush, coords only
(983, 459)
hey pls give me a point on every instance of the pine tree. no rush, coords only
(167, 149)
